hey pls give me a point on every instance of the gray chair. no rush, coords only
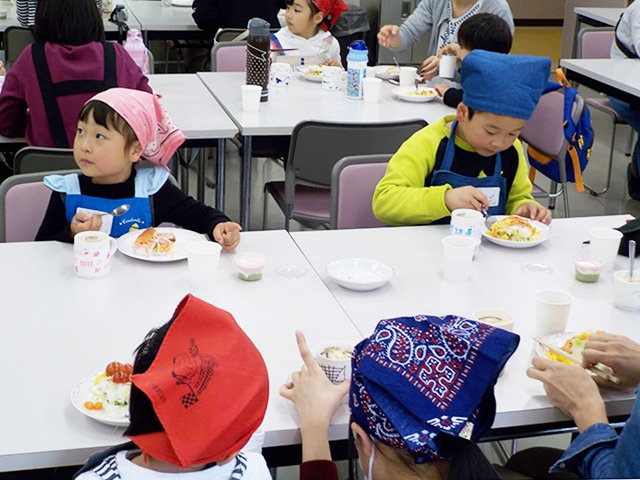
(229, 57)
(43, 159)
(544, 132)
(353, 183)
(315, 148)
(23, 204)
(16, 39)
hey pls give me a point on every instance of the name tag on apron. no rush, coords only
(492, 194)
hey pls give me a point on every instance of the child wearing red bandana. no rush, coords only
(195, 403)
(307, 31)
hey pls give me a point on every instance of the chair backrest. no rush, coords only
(317, 146)
(234, 34)
(229, 57)
(43, 159)
(595, 42)
(16, 39)
(152, 60)
(23, 204)
(353, 182)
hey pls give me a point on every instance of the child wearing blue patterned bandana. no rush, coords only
(421, 394)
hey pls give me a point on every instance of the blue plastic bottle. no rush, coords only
(357, 59)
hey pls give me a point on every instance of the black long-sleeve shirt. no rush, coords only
(169, 204)
(210, 15)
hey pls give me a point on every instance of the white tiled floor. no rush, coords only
(614, 201)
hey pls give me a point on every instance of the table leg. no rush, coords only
(220, 175)
(576, 30)
(202, 158)
(184, 174)
(245, 188)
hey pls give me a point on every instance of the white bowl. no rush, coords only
(360, 274)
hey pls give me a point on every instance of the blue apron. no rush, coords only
(147, 182)
(445, 176)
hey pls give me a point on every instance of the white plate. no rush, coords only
(555, 339)
(543, 236)
(381, 72)
(360, 274)
(183, 238)
(408, 94)
(303, 70)
(82, 393)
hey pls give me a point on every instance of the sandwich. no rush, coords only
(153, 243)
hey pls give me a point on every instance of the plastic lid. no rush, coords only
(258, 26)
(358, 45)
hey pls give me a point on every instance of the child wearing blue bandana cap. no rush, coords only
(472, 159)
(421, 394)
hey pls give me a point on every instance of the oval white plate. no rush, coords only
(543, 236)
(304, 71)
(555, 339)
(82, 393)
(183, 238)
(382, 71)
(359, 274)
(407, 94)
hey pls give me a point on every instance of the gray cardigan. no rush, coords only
(431, 14)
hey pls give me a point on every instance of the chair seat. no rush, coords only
(604, 105)
(309, 201)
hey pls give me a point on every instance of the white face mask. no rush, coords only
(373, 453)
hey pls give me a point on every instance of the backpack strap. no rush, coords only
(621, 46)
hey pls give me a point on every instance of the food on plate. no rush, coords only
(313, 70)
(336, 353)
(422, 93)
(151, 242)
(574, 346)
(515, 229)
(392, 70)
(111, 391)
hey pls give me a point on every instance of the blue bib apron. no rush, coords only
(147, 182)
(445, 176)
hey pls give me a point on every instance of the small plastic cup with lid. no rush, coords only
(587, 268)
(250, 265)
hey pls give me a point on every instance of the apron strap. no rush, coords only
(450, 150)
(51, 91)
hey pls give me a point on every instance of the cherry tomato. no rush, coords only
(93, 406)
(121, 377)
(127, 368)
(112, 368)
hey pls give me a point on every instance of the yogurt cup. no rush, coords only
(250, 265)
(587, 268)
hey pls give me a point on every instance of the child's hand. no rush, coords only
(465, 197)
(430, 67)
(82, 223)
(534, 211)
(3, 72)
(451, 48)
(441, 88)
(227, 234)
(389, 36)
(333, 63)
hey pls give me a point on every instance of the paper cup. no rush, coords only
(408, 76)
(251, 97)
(448, 66)
(92, 252)
(371, 88)
(495, 317)
(457, 256)
(604, 245)
(336, 369)
(331, 78)
(552, 311)
(467, 222)
(626, 294)
(203, 259)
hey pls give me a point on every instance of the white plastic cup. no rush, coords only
(408, 76)
(92, 252)
(251, 97)
(552, 311)
(457, 256)
(448, 66)
(371, 88)
(203, 258)
(467, 222)
(280, 74)
(331, 78)
(336, 369)
(626, 294)
(604, 245)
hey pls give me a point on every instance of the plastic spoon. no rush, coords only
(116, 212)
(632, 257)
(489, 220)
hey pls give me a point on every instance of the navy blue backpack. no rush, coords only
(579, 136)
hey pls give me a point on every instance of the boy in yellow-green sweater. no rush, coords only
(472, 159)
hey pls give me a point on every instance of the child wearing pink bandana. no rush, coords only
(195, 403)
(116, 130)
(307, 31)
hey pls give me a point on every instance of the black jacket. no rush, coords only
(210, 15)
